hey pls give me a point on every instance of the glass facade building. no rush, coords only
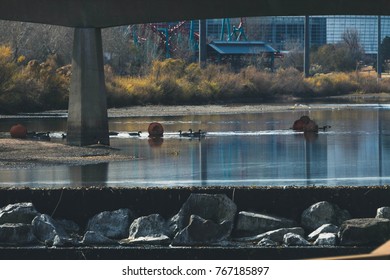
(286, 32)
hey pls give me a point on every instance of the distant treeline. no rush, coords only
(32, 86)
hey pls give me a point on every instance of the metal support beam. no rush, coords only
(202, 42)
(306, 59)
(87, 112)
(378, 57)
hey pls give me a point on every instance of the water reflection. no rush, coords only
(89, 175)
(245, 149)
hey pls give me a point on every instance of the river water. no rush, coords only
(256, 149)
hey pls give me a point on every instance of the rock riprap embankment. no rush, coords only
(203, 220)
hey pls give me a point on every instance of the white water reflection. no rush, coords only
(239, 150)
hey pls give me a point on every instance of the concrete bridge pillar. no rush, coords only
(87, 112)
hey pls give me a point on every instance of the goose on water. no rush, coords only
(135, 133)
(198, 133)
(191, 133)
(185, 134)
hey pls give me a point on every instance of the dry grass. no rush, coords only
(37, 86)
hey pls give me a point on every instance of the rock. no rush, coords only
(148, 226)
(249, 223)
(69, 226)
(383, 212)
(112, 224)
(326, 239)
(292, 239)
(202, 217)
(18, 213)
(323, 213)
(17, 234)
(274, 235)
(95, 238)
(311, 126)
(201, 231)
(305, 124)
(326, 228)
(149, 240)
(266, 242)
(46, 229)
(365, 231)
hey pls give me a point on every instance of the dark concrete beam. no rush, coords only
(87, 111)
(105, 13)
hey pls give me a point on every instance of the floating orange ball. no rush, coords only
(18, 131)
(155, 129)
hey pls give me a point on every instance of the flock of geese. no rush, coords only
(192, 134)
(189, 134)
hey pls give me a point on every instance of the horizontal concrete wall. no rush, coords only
(104, 13)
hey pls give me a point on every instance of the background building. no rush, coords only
(284, 33)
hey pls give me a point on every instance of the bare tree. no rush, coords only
(37, 41)
(351, 39)
(294, 55)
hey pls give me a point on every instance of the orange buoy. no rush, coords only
(305, 124)
(18, 131)
(155, 129)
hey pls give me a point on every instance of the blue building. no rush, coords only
(282, 32)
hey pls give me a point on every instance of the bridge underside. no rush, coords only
(105, 13)
(87, 119)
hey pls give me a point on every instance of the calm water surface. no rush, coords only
(239, 150)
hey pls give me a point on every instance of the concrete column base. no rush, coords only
(87, 112)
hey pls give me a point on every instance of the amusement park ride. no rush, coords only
(169, 35)
(168, 31)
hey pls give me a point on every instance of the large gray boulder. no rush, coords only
(201, 231)
(23, 213)
(17, 234)
(112, 224)
(383, 212)
(152, 230)
(365, 231)
(46, 229)
(203, 219)
(323, 213)
(69, 226)
(148, 226)
(250, 223)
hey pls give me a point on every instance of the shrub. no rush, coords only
(333, 83)
(290, 81)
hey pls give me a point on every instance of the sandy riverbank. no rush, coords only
(16, 153)
(336, 102)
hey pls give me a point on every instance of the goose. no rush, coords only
(185, 134)
(325, 127)
(199, 133)
(135, 133)
(38, 135)
(43, 135)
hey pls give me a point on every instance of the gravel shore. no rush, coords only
(18, 153)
